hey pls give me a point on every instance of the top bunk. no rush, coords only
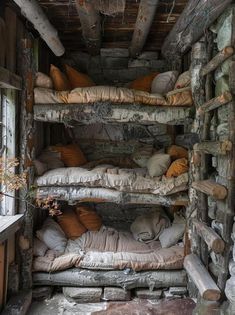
(164, 98)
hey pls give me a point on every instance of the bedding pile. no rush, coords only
(109, 249)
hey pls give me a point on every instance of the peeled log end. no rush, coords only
(211, 295)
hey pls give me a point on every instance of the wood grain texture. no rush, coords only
(211, 188)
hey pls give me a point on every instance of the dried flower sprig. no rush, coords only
(50, 204)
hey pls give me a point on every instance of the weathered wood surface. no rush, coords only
(202, 279)
(91, 28)
(211, 188)
(214, 147)
(18, 304)
(216, 102)
(118, 278)
(212, 239)
(9, 80)
(76, 194)
(217, 60)
(9, 225)
(34, 13)
(112, 113)
(145, 17)
(191, 25)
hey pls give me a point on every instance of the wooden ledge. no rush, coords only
(9, 225)
(9, 80)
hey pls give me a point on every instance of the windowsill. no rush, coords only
(9, 225)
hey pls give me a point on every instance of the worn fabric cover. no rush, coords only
(88, 217)
(77, 79)
(59, 79)
(177, 152)
(118, 95)
(52, 235)
(171, 235)
(70, 224)
(142, 155)
(39, 247)
(180, 97)
(158, 164)
(122, 180)
(148, 227)
(183, 80)
(71, 154)
(177, 168)
(164, 82)
(42, 80)
(143, 83)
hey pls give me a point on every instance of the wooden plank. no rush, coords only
(3, 42)
(115, 278)
(216, 102)
(10, 16)
(212, 239)
(83, 194)
(202, 279)
(214, 63)
(145, 17)
(191, 25)
(2, 273)
(91, 28)
(9, 80)
(211, 188)
(72, 114)
(9, 225)
(214, 147)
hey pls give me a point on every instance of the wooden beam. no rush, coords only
(217, 60)
(201, 278)
(34, 13)
(3, 42)
(91, 28)
(9, 80)
(10, 15)
(146, 13)
(214, 147)
(72, 114)
(115, 278)
(82, 194)
(211, 188)
(216, 102)
(197, 16)
(9, 225)
(212, 239)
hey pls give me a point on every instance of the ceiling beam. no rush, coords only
(34, 13)
(91, 28)
(197, 16)
(146, 13)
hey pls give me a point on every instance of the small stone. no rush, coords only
(116, 294)
(178, 290)
(82, 295)
(147, 294)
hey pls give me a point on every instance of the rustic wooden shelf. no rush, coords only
(9, 225)
(9, 80)
(72, 114)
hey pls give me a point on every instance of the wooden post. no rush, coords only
(26, 155)
(146, 13)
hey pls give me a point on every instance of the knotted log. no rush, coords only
(211, 188)
(214, 147)
(216, 102)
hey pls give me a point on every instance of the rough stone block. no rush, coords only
(168, 295)
(178, 290)
(114, 62)
(158, 65)
(83, 295)
(124, 75)
(163, 141)
(95, 65)
(135, 63)
(148, 55)
(187, 140)
(114, 52)
(147, 294)
(157, 129)
(116, 294)
(133, 132)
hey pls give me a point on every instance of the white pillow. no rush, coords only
(39, 247)
(142, 155)
(158, 164)
(164, 82)
(52, 235)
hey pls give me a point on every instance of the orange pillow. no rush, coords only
(177, 152)
(78, 79)
(71, 155)
(177, 168)
(143, 83)
(70, 224)
(59, 79)
(89, 218)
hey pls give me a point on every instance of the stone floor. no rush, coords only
(58, 305)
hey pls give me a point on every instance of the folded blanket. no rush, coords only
(148, 227)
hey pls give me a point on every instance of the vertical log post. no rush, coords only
(26, 156)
